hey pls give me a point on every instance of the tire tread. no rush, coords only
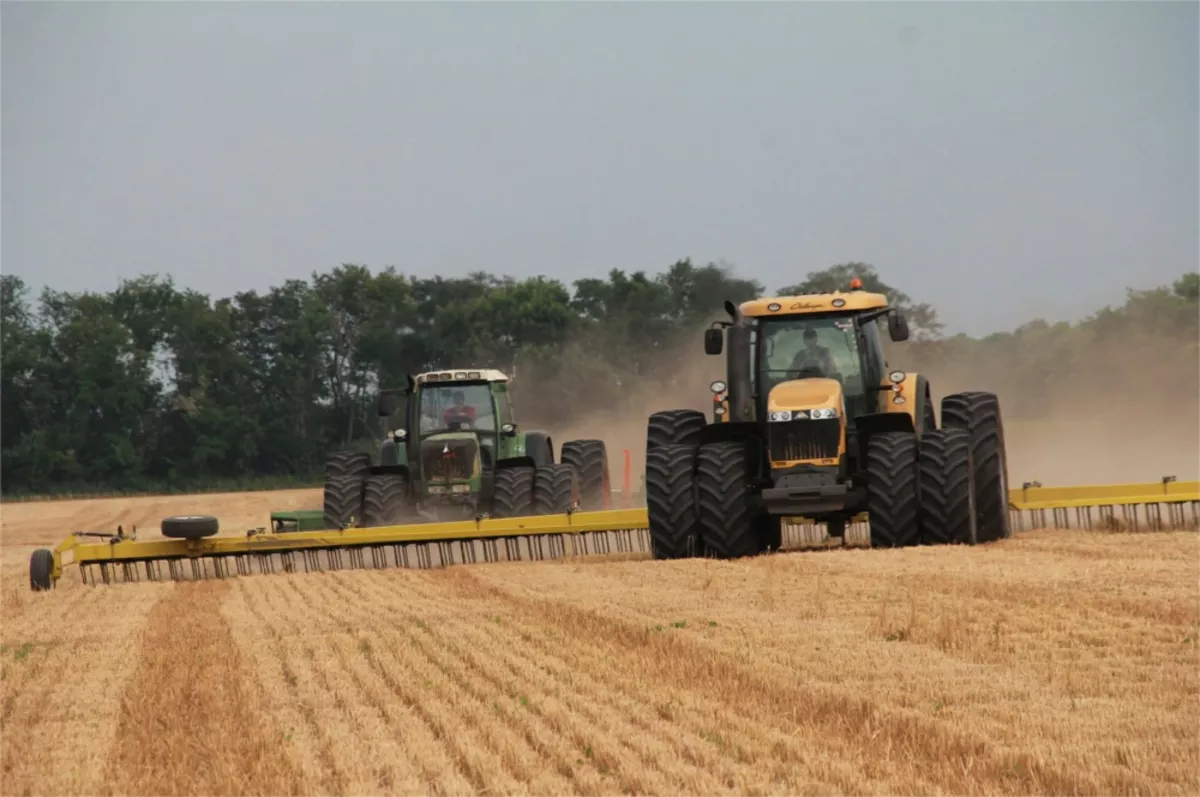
(979, 413)
(892, 490)
(513, 494)
(555, 489)
(670, 501)
(728, 525)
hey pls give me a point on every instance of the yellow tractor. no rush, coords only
(811, 421)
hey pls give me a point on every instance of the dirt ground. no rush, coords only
(1053, 663)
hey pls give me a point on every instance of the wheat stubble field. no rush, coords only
(1053, 663)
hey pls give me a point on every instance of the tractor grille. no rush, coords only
(792, 440)
(456, 463)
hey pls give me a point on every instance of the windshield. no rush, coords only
(796, 348)
(468, 405)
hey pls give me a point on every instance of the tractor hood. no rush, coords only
(805, 394)
(440, 437)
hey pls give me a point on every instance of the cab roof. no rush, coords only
(800, 304)
(461, 375)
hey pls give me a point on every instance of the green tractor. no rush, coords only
(453, 452)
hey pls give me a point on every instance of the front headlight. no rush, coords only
(823, 413)
(781, 415)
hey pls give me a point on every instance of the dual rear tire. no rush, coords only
(951, 487)
(545, 490)
(698, 500)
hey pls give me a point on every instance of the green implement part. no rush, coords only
(298, 520)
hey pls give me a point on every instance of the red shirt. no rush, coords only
(451, 412)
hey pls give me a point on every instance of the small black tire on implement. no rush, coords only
(729, 522)
(589, 458)
(674, 427)
(189, 527)
(555, 490)
(343, 501)
(979, 413)
(892, 490)
(671, 501)
(347, 464)
(513, 494)
(385, 500)
(41, 568)
(947, 488)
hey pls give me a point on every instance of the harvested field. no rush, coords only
(1053, 663)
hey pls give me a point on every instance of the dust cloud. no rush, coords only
(1122, 412)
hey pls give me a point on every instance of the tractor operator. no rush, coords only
(459, 410)
(814, 356)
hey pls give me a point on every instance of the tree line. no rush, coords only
(155, 387)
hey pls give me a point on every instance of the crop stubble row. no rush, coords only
(1053, 663)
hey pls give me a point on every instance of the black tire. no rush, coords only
(674, 427)
(513, 496)
(671, 501)
(947, 488)
(343, 501)
(729, 524)
(929, 417)
(892, 490)
(555, 490)
(979, 414)
(589, 458)
(347, 464)
(540, 448)
(189, 527)
(386, 500)
(41, 568)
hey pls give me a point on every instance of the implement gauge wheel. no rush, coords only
(41, 565)
(189, 527)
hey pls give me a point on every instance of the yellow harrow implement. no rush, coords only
(119, 557)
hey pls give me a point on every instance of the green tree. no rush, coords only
(922, 318)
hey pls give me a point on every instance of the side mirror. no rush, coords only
(897, 326)
(385, 405)
(714, 341)
(509, 430)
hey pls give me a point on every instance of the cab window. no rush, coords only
(443, 404)
(810, 346)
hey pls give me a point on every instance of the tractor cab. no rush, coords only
(449, 430)
(808, 368)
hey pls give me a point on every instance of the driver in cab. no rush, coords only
(813, 357)
(459, 411)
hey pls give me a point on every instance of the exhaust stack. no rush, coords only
(737, 367)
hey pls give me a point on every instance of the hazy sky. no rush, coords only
(1001, 160)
